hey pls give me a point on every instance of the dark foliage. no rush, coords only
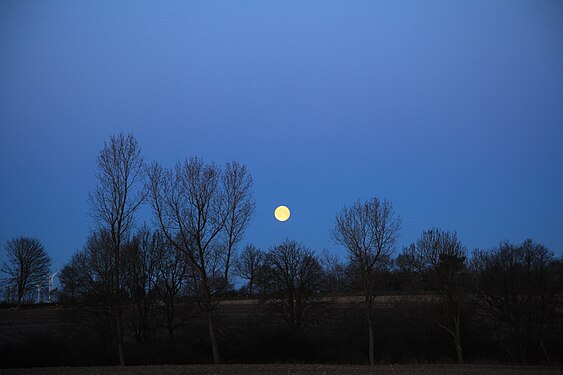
(27, 267)
(519, 294)
(290, 282)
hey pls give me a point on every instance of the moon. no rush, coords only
(282, 213)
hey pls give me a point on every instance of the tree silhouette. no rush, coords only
(28, 265)
(291, 278)
(114, 203)
(519, 294)
(248, 264)
(203, 211)
(437, 260)
(368, 231)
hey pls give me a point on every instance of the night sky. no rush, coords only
(452, 110)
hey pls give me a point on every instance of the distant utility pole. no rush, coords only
(38, 293)
(51, 285)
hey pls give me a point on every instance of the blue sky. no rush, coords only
(452, 110)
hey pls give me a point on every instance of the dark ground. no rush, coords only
(41, 336)
(289, 369)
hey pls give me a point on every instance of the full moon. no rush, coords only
(282, 213)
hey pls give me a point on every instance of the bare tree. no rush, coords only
(291, 279)
(73, 279)
(238, 207)
(173, 270)
(439, 258)
(28, 265)
(368, 231)
(519, 295)
(88, 280)
(140, 274)
(203, 212)
(248, 264)
(113, 204)
(337, 278)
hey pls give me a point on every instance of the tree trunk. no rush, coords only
(458, 350)
(119, 337)
(370, 330)
(20, 296)
(170, 332)
(213, 338)
(457, 341)
(117, 296)
(170, 322)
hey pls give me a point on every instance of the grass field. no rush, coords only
(291, 370)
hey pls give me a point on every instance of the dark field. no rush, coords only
(15, 325)
(290, 370)
(251, 332)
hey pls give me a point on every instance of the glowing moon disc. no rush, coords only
(282, 213)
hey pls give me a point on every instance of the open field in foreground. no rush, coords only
(290, 370)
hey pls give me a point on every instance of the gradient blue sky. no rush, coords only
(453, 110)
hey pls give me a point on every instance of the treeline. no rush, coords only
(504, 302)
(183, 290)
